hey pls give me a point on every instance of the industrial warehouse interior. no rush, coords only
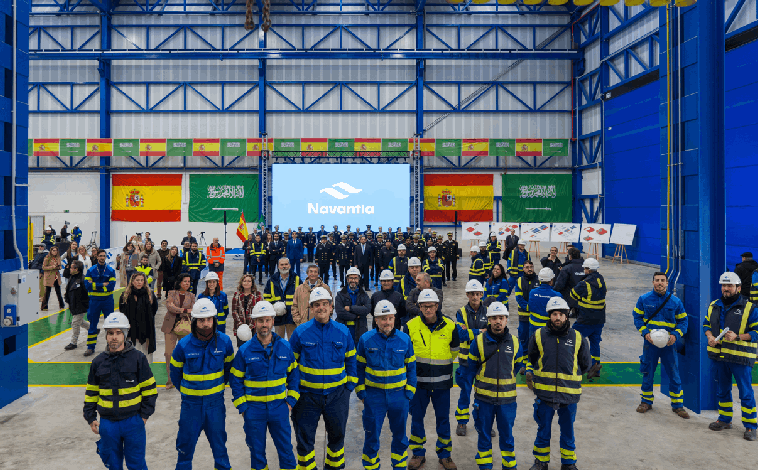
(326, 235)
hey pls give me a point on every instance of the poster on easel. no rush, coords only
(623, 234)
(565, 233)
(503, 229)
(475, 230)
(596, 233)
(535, 232)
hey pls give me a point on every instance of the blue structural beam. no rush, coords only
(104, 69)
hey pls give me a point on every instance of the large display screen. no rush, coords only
(337, 194)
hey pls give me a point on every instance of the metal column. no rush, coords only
(104, 68)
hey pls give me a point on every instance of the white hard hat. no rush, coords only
(521, 242)
(493, 234)
(497, 308)
(401, 247)
(474, 249)
(204, 308)
(730, 278)
(280, 308)
(591, 263)
(546, 275)
(414, 262)
(319, 293)
(431, 248)
(211, 276)
(384, 307)
(354, 271)
(556, 303)
(427, 295)
(116, 320)
(386, 275)
(659, 337)
(474, 286)
(263, 309)
(244, 333)
(482, 244)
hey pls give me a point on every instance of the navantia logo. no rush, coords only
(343, 186)
(356, 209)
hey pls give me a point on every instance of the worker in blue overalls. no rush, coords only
(265, 386)
(100, 282)
(200, 366)
(386, 384)
(218, 297)
(76, 234)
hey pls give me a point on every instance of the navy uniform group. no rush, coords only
(406, 361)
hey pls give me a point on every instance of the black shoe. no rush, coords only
(444, 284)
(749, 435)
(460, 430)
(89, 352)
(569, 467)
(539, 465)
(71, 346)
(454, 279)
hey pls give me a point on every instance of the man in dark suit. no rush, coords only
(511, 242)
(364, 256)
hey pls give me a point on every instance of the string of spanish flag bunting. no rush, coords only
(240, 147)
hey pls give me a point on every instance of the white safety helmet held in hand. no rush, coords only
(474, 286)
(591, 263)
(280, 308)
(244, 333)
(431, 248)
(556, 303)
(659, 337)
(386, 275)
(427, 295)
(546, 275)
(401, 247)
(116, 320)
(384, 307)
(414, 262)
(353, 271)
(730, 278)
(204, 308)
(211, 276)
(497, 308)
(264, 309)
(482, 244)
(319, 293)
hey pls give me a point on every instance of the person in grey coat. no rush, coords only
(423, 281)
(353, 305)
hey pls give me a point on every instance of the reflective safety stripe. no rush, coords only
(553, 388)
(265, 383)
(489, 393)
(439, 362)
(91, 399)
(265, 398)
(128, 391)
(293, 394)
(93, 388)
(386, 386)
(200, 393)
(408, 360)
(410, 388)
(316, 385)
(496, 381)
(441, 378)
(309, 370)
(661, 323)
(239, 401)
(147, 382)
(105, 403)
(553, 375)
(306, 457)
(176, 364)
(128, 403)
(203, 377)
(385, 373)
(237, 373)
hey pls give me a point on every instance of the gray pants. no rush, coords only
(76, 324)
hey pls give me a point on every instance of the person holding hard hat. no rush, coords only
(476, 271)
(494, 248)
(199, 367)
(280, 291)
(220, 300)
(325, 352)
(560, 355)
(265, 384)
(494, 359)
(386, 384)
(436, 343)
(433, 265)
(408, 282)
(590, 311)
(388, 293)
(121, 389)
(516, 263)
(660, 318)
(472, 319)
(352, 305)
(734, 354)
(399, 266)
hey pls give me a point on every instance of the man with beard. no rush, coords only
(353, 305)
(388, 293)
(200, 366)
(193, 263)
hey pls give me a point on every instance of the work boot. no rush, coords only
(539, 465)
(461, 429)
(448, 464)
(681, 412)
(644, 407)
(749, 435)
(71, 346)
(569, 467)
(89, 352)
(416, 462)
(594, 370)
(719, 426)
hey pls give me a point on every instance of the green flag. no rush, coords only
(537, 198)
(395, 145)
(30, 143)
(73, 148)
(340, 145)
(286, 145)
(555, 147)
(223, 190)
(503, 147)
(448, 148)
(125, 147)
(179, 147)
(233, 147)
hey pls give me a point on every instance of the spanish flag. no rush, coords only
(99, 147)
(470, 195)
(368, 147)
(242, 228)
(528, 147)
(146, 198)
(46, 147)
(255, 146)
(314, 145)
(476, 147)
(152, 147)
(206, 147)
(427, 147)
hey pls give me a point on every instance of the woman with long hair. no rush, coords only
(139, 305)
(171, 267)
(154, 259)
(220, 300)
(52, 278)
(496, 286)
(84, 258)
(243, 301)
(77, 299)
(178, 306)
(71, 255)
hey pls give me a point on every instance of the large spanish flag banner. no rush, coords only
(146, 198)
(469, 195)
(99, 147)
(427, 147)
(152, 147)
(368, 147)
(310, 144)
(476, 147)
(528, 147)
(206, 147)
(46, 147)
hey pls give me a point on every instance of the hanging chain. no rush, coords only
(266, 16)
(249, 22)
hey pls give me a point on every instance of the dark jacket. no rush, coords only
(745, 271)
(555, 362)
(171, 271)
(344, 254)
(275, 250)
(190, 239)
(273, 293)
(141, 314)
(590, 296)
(554, 265)
(396, 299)
(385, 256)
(358, 312)
(511, 242)
(77, 297)
(363, 258)
(570, 275)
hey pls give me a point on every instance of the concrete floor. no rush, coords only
(45, 429)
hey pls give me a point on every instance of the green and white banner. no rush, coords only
(537, 198)
(209, 191)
